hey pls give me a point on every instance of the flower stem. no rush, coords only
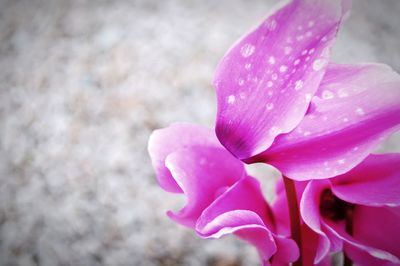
(294, 213)
(349, 229)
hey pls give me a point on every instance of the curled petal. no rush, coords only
(265, 82)
(309, 210)
(310, 243)
(375, 236)
(164, 141)
(243, 211)
(203, 173)
(374, 182)
(354, 109)
(245, 224)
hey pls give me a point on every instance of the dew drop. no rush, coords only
(269, 106)
(270, 84)
(271, 60)
(288, 50)
(360, 111)
(298, 85)
(271, 25)
(319, 64)
(283, 68)
(247, 50)
(341, 161)
(274, 131)
(231, 99)
(327, 94)
(342, 93)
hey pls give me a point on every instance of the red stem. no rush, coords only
(294, 213)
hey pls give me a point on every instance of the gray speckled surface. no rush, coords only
(82, 85)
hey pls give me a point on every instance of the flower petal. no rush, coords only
(265, 82)
(310, 244)
(242, 210)
(164, 141)
(203, 173)
(375, 236)
(309, 210)
(247, 225)
(374, 182)
(354, 109)
(246, 194)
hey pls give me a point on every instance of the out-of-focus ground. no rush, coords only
(83, 84)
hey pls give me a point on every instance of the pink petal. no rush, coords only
(242, 210)
(245, 224)
(374, 182)
(375, 236)
(288, 251)
(309, 209)
(310, 244)
(246, 194)
(354, 109)
(203, 173)
(265, 82)
(164, 141)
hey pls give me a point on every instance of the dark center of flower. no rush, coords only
(332, 207)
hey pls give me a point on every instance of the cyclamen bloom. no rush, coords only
(358, 211)
(221, 197)
(281, 102)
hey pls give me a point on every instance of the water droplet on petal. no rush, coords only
(231, 99)
(271, 60)
(247, 50)
(283, 68)
(319, 64)
(327, 94)
(342, 93)
(274, 131)
(288, 50)
(269, 106)
(298, 85)
(360, 111)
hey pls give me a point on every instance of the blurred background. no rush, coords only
(82, 85)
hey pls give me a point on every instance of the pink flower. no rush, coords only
(221, 198)
(358, 211)
(282, 103)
